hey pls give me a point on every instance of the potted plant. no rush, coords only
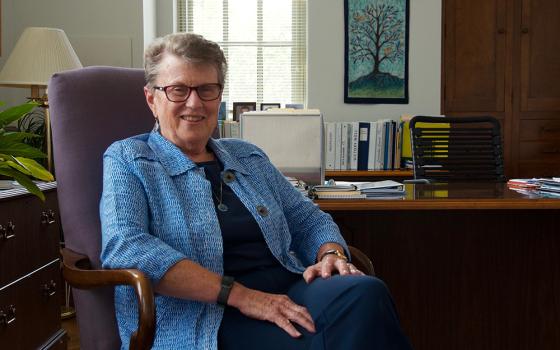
(17, 158)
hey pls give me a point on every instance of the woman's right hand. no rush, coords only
(275, 308)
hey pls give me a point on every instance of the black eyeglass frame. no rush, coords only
(189, 91)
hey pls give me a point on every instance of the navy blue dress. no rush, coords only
(349, 312)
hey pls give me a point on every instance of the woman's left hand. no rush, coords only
(328, 266)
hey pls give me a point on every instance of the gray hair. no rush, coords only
(191, 47)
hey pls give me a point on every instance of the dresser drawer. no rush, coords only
(30, 309)
(539, 130)
(29, 236)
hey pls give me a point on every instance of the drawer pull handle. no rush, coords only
(47, 217)
(8, 317)
(551, 151)
(49, 289)
(8, 231)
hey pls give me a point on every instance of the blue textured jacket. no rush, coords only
(157, 209)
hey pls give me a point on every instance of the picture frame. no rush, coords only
(242, 107)
(375, 74)
(265, 106)
(294, 105)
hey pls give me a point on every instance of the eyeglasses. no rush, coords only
(180, 93)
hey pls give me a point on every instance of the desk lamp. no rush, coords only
(38, 54)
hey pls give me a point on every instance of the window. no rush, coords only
(264, 42)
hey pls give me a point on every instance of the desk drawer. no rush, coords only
(30, 309)
(539, 130)
(29, 235)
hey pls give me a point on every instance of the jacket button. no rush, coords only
(228, 176)
(262, 210)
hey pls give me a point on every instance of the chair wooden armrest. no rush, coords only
(77, 272)
(361, 261)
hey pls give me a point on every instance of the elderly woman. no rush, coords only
(238, 258)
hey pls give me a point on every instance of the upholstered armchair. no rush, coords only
(91, 108)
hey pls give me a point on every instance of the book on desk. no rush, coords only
(359, 190)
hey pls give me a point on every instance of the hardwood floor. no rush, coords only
(71, 327)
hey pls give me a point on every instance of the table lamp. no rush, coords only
(38, 54)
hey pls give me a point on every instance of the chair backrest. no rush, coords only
(457, 148)
(91, 108)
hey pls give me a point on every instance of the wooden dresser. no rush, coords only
(30, 278)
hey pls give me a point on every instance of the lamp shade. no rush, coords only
(38, 54)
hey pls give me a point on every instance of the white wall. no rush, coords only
(103, 32)
(111, 32)
(326, 63)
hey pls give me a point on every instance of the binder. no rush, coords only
(372, 145)
(330, 146)
(344, 164)
(354, 144)
(337, 145)
(363, 145)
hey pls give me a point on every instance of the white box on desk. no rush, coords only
(292, 139)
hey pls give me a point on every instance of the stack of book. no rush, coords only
(299, 185)
(336, 191)
(544, 187)
(387, 189)
(550, 187)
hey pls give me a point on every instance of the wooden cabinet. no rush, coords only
(30, 271)
(502, 58)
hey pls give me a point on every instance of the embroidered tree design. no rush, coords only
(377, 36)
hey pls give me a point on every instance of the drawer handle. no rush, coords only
(8, 317)
(8, 231)
(47, 217)
(551, 151)
(49, 289)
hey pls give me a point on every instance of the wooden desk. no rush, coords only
(470, 266)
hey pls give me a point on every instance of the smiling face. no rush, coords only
(187, 124)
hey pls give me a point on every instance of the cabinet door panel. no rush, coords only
(540, 151)
(540, 55)
(474, 55)
(535, 130)
(529, 169)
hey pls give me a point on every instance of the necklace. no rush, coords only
(221, 206)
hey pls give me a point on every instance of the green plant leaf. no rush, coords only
(14, 113)
(16, 166)
(18, 149)
(23, 180)
(36, 169)
(18, 136)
